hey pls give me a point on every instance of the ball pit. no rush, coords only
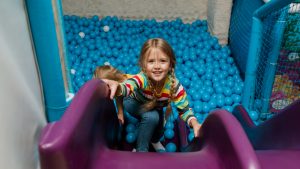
(204, 67)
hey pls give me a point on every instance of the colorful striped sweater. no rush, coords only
(137, 86)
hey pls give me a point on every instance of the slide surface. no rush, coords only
(86, 138)
(277, 140)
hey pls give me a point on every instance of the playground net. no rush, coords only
(278, 72)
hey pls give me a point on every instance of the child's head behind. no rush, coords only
(160, 45)
(108, 72)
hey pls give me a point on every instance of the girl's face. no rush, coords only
(157, 65)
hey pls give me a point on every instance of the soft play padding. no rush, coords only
(240, 30)
(86, 138)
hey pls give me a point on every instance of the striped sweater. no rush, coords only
(137, 86)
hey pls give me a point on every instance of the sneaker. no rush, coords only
(158, 147)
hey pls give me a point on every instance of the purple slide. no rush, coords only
(276, 141)
(86, 138)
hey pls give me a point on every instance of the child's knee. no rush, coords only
(151, 117)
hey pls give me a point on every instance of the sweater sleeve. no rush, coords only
(182, 104)
(137, 81)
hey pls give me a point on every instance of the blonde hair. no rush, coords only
(109, 72)
(163, 46)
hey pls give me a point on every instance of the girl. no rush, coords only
(152, 89)
(111, 73)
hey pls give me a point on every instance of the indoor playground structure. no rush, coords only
(239, 62)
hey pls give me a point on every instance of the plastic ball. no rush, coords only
(169, 133)
(227, 91)
(228, 108)
(237, 89)
(105, 28)
(230, 84)
(191, 136)
(236, 98)
(169, 125)
(198, 116)
(171, 147)
(81, 34)
(258, 103)
(185, 82)
(196, 96)
(130, 137)
(206, 97)
(192, 92)
(205, 108)
(200, 71)
(197, 106)
(228, 101)
(220, 102)
(253, 115)
(73, 71)
(212, 104)
(130, 128)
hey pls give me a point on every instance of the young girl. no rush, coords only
(109, 72)
(152, 89)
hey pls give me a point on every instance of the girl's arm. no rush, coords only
(186, 113)
(127, 87)
(119, 101)
(196, 126)
(130, 85)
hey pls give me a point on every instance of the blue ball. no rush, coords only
(205, 108)
(169, 125)
(185, 82)
(212, 104)
(228, 101)
(230, 83)
(197, 106)
(236, 98)
(253, 115)
(258, 103)
(206, 97)
(171, 147)
(227, 91)
(228, 108)
(218, 88)
(220, 102)
(169, 133)
(198, 116)
(130, 137)
(208, 76)
(200, 71)
(196, 96)
(209, 90)
(191, 136)
(130, 128)
(237, 89)
(191, 92)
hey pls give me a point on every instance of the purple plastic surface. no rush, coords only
(277, 140)
(86, 138)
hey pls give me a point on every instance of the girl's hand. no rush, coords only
(196, 127)
(121, 118)
(113, 86)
